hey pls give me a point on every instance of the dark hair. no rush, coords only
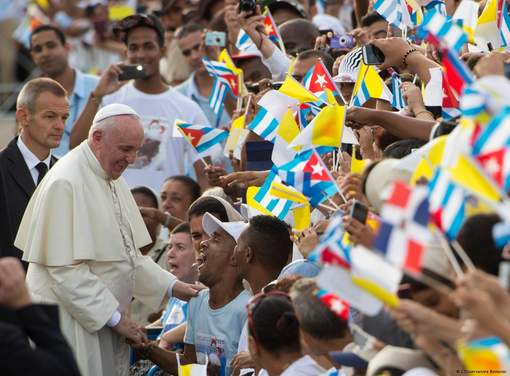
(399, 149)
(180, 228)
(324, 56)
(47, 27)
(371, 18)
(274, 324)
(208, 204)
(218, 23)
(187, 29)
(129, 23)
(385, 139)
(475, 237)
(192, 185)
(147, 192)
(314, 317)
(269, 238)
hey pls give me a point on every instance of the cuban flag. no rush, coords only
(444, 29)
(318, 79)
(334, 247)
(395, 12)
(217, 97)
(264, 124)
(308, 174)
(272, 30)
(490, 148)
(202, 138)
(223, 73)
(447, 204)
(396, 89)
(456, 73)
(278, 206)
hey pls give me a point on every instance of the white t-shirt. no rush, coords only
(161, 155)
(304, 366)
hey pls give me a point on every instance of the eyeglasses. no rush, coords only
(254, 303)
(136, 20)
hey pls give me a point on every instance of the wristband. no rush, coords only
(406, 55)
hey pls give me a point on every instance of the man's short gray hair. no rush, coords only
(34, 88)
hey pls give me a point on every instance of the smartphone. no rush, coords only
(276, 85)
(342, 42)
(372, 55)
(216, 38)
(132, 72)
(359, 212)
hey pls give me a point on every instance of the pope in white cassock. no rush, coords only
(81, 234)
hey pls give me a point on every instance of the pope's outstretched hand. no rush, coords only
(186, 291)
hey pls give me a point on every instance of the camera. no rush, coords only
(248, 6)
(342, 42)
(216, 38)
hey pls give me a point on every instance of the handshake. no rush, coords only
(134, 333)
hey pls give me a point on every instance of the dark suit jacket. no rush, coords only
(51, 356)
(16, 188)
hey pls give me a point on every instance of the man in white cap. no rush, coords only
(81, 234)
(217, 316)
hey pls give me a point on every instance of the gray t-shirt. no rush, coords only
(216, 331)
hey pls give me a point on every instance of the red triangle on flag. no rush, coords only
(319, 80)
(193, 135)
(315, 167)
(492, 162)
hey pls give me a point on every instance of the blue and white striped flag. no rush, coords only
(245, 45)
(217, 97)
(278, 206)
(396, 88)
(447, 202)
(444, 29)
(264, 124)
(395, 12)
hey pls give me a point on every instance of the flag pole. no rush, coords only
(462, 254)
(445, 246)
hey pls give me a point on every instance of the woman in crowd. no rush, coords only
(273, 340)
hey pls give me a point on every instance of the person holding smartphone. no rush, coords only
(162, 155)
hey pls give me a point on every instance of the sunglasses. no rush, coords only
(254, 303)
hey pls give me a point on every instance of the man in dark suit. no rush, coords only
(41, 111)
(21, 320)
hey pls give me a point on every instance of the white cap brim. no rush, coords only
(211, 224)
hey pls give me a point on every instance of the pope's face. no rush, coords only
(117, 147)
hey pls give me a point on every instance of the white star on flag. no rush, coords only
(317, 169)
(321, 80)
(492, 166)
(337, 306)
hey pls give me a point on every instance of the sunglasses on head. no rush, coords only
(254, 303)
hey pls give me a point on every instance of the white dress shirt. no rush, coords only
(31, 160)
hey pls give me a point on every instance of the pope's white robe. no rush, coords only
(81, 233)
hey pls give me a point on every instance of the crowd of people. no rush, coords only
(285, 187)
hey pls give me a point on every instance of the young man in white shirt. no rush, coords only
(162, 155)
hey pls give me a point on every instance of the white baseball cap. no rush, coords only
(211, 224)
